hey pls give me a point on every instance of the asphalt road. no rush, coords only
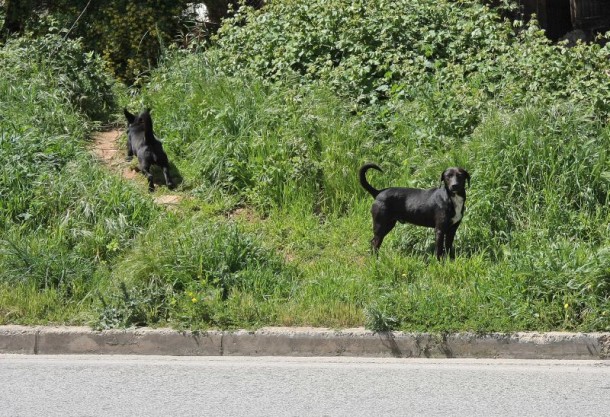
(276, 386)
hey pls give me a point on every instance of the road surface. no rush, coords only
(277, 386)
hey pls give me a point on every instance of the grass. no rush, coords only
(274, 228)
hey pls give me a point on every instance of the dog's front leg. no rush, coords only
(449, 241)
(440, 243)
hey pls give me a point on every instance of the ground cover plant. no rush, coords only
(268, 129)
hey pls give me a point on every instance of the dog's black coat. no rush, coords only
(441, 208)
(142, 142)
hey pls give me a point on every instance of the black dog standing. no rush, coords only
(441, 208)
(141, 142)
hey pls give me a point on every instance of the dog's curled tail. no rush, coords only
(365, 184)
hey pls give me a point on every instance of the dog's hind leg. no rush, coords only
(168, 179)
(145, 168)
(149, 177)
(382, 225)
(380, 230)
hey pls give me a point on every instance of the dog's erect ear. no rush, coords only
(147, 119)
(466, 174)
(130, 117)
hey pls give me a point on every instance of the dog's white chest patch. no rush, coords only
(458, 205)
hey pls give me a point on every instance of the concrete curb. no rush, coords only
(303, 342)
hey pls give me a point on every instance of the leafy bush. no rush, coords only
(131, 36)
(444, 63)
(362, 48)
(450, 103)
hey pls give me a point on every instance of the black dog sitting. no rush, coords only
(142, 142)
(441, 208)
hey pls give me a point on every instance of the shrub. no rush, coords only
(361, 49)
(443, 63)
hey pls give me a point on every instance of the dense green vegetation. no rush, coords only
(129, 35)
(268, 128)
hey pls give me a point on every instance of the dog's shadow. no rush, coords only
(159, 179)
(413, 241)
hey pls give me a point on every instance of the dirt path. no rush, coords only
(106, 146)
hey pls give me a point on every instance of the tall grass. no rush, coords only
(264, 145)
(203, 274)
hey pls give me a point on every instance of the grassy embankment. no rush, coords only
(275, 228)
